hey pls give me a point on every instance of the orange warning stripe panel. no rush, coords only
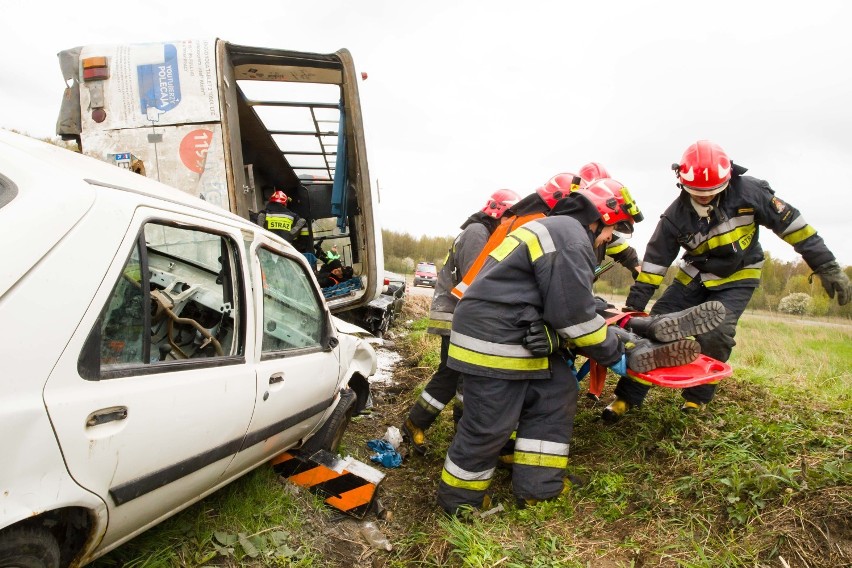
(342, 489)
(315, 476)
(357, 497)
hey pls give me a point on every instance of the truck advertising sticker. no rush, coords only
(159, 84)
(154, 84)
(194, 148)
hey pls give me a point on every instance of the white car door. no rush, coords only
(297, 376)
(153, 395)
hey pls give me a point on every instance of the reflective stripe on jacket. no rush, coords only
(541, 271)
(724, 251)
(461, 256)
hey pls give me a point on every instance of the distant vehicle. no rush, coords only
(425, 274)
(229, 124)
(155, 348)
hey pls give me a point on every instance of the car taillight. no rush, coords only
(387, 281)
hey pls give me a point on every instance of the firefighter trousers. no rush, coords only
(439, 391)
(543, 411)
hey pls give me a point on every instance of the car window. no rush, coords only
(8, 190)
(175, 300)
(424, 267)
(293, 317)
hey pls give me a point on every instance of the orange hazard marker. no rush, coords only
(348, 484)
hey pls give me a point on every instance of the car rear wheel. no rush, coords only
(28, 548)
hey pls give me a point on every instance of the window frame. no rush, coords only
(89, 361)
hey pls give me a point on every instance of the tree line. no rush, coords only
(780, 278)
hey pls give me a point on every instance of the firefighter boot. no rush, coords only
(678, 325)
(690, 407)
(644, 355)
(414, 436)
(615, 410)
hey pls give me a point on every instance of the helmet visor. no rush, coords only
(704, 191)
(623, 229)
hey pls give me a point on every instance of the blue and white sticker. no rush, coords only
(159, 84)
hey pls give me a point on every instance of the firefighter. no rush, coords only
(540, 276)
(278, 219)
(617, 249)
(444, 384)
(715, 219)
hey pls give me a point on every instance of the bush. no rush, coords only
(797, 304)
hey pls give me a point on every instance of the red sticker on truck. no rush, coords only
(194, 148)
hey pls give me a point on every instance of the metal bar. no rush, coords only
(302, 133)
(292, 104)
(300, 153)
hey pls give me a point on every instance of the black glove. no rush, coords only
(834, 280)
(630, 309)
(541, 339)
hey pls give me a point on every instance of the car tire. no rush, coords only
(331, 434)
(30, 547)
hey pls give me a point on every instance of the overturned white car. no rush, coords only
(153, 348)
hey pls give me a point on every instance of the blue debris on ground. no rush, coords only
(385, 453)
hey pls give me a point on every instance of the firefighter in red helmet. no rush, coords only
(279, 219)
(540, 275)
(444, 384)
(715, 219)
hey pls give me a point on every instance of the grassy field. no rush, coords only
(762, 477)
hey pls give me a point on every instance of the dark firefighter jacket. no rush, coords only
(530, 208)
(283, 222)
(541, 271)
(465, 248)
(724, 251)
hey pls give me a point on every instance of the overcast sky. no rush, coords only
(466, 97)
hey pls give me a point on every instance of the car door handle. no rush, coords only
(276, 378)
(106, 415)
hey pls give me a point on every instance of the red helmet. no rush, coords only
(592, 171)
(704, 169)
(279, 196)
(499, 201)
(559, 186)
(614, 203)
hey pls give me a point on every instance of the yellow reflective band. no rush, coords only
(531, 240)
(593, 338)
(723, 239)
(615, 249)
(540, 460)
(439, 324)
(800, 235)
(454, 481)
(649, 278)
(637, 379)
(683, 277)
(279, 223)
(496, 361)
(504, 248)
(744, 274)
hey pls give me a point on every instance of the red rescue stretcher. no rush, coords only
(701, 371)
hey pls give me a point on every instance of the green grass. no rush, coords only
(249, 522)
(763, 473)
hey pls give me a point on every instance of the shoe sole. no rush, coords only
(673, 354)
(700, 319)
